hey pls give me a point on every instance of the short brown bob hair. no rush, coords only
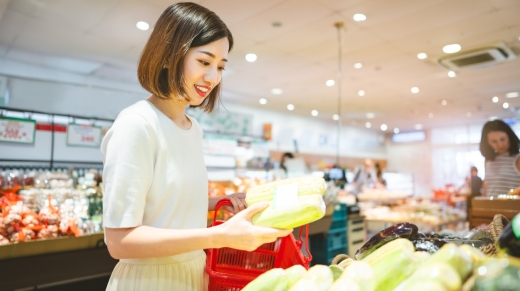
(181, 26)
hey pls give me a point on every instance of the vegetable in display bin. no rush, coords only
(499, 274)
(428, 245)
(293, 202)
(272, 280)
(509, 239)
(401, 230)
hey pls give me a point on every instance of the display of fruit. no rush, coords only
(401, 230)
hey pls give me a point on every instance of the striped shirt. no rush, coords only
(502, 175)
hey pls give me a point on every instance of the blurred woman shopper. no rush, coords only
(499, 145)
(155, 181)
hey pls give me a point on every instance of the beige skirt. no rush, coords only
(182, 272)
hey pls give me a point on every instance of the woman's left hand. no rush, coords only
(239, 202)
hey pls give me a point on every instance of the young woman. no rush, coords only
(499, 145)
(155, 181)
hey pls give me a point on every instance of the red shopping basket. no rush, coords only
(231, 270)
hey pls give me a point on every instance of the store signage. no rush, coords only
(17, 130)
(223, 122)
(219, 145)
(83, 135)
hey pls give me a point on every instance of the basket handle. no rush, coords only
(221, 203)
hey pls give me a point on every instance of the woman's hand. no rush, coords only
(239, 202)
(239, 233)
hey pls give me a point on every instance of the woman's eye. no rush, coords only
(221, 68)
(204, 63)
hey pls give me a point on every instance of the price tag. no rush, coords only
(17, 130)
(285, 195)
(83, 135)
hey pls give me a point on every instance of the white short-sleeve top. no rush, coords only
(154, 172)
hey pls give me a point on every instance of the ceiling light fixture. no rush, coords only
(444, 102)
(451, 48)
(358, 65)
(335, 117)
(493, 118)
(262, 101)
(314, 113)
(384, 127)
(276, 91)
(422, 56)
(368, 125)
(330, 83)
(512, 95)
(251, 57)
(495, 99)
(452, 74)
(418, 126)
(505, 105)
(142, 25)
(371, 115)
(290, 107)
(359, 17)
(396, 130)
(415, 90)
(361, 93)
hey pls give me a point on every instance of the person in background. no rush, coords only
(474, 184)
(285, 156)
(379, 173)
(365, 177)
(499, 145)
(155, 182)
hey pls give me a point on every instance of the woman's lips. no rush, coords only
(203, 91)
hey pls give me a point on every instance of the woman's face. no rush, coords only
(203, 67)
(499, 141)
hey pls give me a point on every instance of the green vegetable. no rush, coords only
(272, 280)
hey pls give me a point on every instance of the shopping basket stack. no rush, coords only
(231, 270)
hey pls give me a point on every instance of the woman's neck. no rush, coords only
(172, 108)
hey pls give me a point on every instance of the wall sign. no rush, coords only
(17, 130)
(83, 135)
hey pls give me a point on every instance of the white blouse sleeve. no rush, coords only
(128, 156)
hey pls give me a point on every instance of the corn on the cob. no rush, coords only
(403, 263)
(305, 186)
(383, 251)
(272, 280)
(306, 209)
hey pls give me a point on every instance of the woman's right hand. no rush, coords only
(239, 233)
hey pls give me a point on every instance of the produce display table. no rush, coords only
(484, 208)
(41, 262)
(436, 227)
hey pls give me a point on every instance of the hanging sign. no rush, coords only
(83, 135)
(17, 130)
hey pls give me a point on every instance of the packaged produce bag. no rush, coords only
(293, 202)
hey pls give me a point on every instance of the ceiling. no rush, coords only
(99, 38)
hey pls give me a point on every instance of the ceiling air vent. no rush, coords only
(480, 57)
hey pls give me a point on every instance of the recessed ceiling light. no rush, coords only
(495, 99)
(142, 25)
(276, 91)
(451, 48)
(335, 117)
(505, 105)
(444, 102)
(493, 118)
(415, 90)
(468, 114)
(512, 95)
(358, 65)
(384, 127)
(368, 125)
(330, 83)
(418, 126)
(361, 93)
(262, 101)
(251, 57)
(314, 113)
(452, 74)
(359, 17)
(422, 56)
(396, 130)
(371, 115)
(290, 107)
(430, 115)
